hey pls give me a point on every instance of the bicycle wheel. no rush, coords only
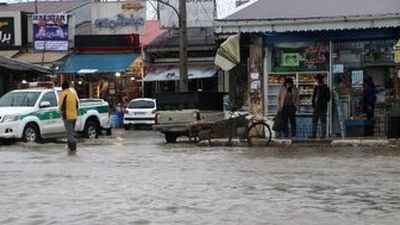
(259, 133)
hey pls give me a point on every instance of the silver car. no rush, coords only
(140, 111)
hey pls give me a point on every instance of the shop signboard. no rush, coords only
(50, 32)
(300, 56)
(6, 32)
(290, 59)
(117, 18)
(200, 13)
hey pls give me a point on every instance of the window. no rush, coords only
(50, 97)
(142, 104)
(19, 99)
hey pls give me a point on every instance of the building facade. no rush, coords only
(349, 44)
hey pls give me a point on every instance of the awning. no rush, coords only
(172, 73)
(104, 63)
(36, 57)
(9, 53)
(16, 65)
(228, 54)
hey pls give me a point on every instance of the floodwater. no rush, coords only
(137, 179)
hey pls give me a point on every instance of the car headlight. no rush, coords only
(10, 118)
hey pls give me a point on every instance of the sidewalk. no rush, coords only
(333, 142)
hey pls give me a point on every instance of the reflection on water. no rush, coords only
(147, 183)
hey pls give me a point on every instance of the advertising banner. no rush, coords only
(50, 31)
(118, 18)
(6, 32)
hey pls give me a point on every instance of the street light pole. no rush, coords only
(183, 70)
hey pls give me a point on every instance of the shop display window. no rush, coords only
(358, 67)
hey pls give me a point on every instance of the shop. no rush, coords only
(14, 73)
(166, 78)
(351, 44)
(360, 71)
(301, 61)
(103, 76)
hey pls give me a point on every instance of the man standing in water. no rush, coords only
(68, 106)
(320, 99)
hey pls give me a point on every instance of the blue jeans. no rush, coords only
(69, 132)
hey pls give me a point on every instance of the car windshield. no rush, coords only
(19, 99)
(141, 104)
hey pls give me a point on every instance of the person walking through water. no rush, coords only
(320, 99)
(288, 100)
(68, 106)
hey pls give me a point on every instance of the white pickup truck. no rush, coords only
(32, 114)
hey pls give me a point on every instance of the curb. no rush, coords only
(309, 143)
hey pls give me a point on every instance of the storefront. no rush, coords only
(301, 61)
(350, 43)
(100, 75)
(358, 66)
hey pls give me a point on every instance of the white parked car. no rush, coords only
(140, 111)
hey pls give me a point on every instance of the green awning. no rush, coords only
(97, 63)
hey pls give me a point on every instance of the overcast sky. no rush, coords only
(223, 7)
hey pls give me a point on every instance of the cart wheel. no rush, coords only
(259, 133)
(171, 137)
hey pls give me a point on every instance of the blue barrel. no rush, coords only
(115, 120)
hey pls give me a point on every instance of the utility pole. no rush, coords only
(183, 70)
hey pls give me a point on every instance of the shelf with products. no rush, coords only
(276, 79)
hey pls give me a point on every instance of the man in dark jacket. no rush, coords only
(320, 99)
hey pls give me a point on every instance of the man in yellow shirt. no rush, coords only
(68, 106)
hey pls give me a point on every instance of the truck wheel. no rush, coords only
(91, 129)
(171, 137)
(127, 126)
(31, 133)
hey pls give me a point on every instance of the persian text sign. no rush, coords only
(118, 17)
(6, 32)
(50, 31)
(200, 13)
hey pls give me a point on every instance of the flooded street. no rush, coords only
(137, 179)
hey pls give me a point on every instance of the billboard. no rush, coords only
(50, 31)
(200, 13)
(6, 32)
(116, 18)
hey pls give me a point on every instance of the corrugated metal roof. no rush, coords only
(21, 66)
(196, 36)
(9, 53)
(44, 6)
(36, 57)
(300, 9)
